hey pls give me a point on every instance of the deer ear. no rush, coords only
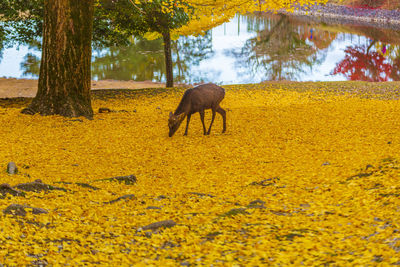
(170, 114)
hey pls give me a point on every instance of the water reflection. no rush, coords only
(142, 60)
(280, 51)
(250, 48)
(374, 62)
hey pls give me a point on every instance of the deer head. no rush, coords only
(174, 122)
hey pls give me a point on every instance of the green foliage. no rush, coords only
(137, 18)
(20, 21)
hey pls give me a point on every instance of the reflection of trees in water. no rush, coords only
(31, 64)
(362, 63)
(142, 60)
(284, 49)
(189, 52)
(279, 52)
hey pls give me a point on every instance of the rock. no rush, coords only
(256, 204)
(130, 196)
(211, 236)
(234, 212)
(19, 210)
(153, 208)
(12, 168)
(156, 225)
(267, 182)
(38, 186)
(104, 110)
(369, 166)
(128, 179)
(200, 194)
(7, 189)
(161, 197)
(87, 186)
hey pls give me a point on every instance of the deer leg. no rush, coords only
(187, 123)
(202, 121)
(212, 120)
(223, 114)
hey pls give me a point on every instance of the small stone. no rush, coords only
(326, 163)
(12, 168)
(156, 225)
(104, 110)
(161, 197)
(153, 208)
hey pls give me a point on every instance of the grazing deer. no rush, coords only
(198, 99)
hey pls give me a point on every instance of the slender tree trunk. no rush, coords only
(64, 79)
(168, 59)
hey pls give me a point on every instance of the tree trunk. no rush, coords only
(65, 78)
(168, 59)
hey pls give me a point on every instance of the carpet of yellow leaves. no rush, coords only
(300, 177)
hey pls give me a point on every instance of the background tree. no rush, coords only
(141, 17)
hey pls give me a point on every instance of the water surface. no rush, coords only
(248, 49)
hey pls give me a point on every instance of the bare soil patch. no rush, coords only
(11, 87)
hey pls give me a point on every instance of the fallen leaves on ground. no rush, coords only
(305, 174)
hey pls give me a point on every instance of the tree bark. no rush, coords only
(168, 58)
(65, 77)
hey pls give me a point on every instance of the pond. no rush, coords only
(248, 49)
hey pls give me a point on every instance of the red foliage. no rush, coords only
(361, 65)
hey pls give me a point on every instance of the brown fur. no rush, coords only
(198, 99)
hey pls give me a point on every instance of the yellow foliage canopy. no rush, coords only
(210, 13)
(302, 176)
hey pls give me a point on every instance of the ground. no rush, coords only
(10, 87)
(307, 173)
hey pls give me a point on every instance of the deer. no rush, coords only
(198, 99)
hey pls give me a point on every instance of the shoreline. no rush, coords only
(15, 87)
(381, 18)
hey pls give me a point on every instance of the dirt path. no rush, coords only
(10, 87)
